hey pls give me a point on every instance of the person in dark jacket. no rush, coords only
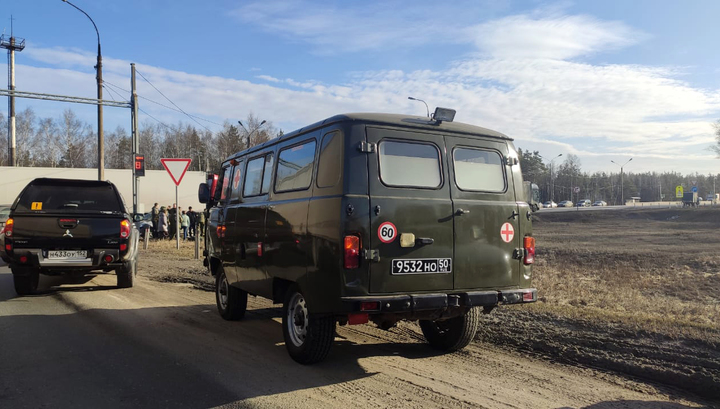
(155, 219)
(172, 213)
(193, 221)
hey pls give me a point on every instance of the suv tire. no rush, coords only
(231, 301)
(452, 334)
(126, 274)
(26, 280)
(308, 337)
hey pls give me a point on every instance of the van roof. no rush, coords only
(405, 121)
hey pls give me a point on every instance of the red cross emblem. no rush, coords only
(507, 232)
(236, 180)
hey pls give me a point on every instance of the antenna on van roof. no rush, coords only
(426, 105)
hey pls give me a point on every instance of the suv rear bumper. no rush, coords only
(428, 302)
(35, 258)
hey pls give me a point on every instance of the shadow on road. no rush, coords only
(177, 357)
(615, 404)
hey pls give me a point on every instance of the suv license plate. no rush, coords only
(422, 266)
(68, 254)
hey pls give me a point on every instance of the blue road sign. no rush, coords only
(694, 189)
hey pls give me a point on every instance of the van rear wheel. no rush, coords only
(308, 337)
(231, 301)
(452, 334)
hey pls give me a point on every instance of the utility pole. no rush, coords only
(135, 136)
(11, 44)
(622, 190)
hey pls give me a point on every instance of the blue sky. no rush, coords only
(604, 80)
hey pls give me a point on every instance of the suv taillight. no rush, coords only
(124, 229)
(529, 245)
(352, 252)
(7, 230)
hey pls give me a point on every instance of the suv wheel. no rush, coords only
(126, 274)
(454, 333)
(25, 280)
(231, 301)
(308, 337)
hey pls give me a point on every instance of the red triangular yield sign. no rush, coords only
(176, 168)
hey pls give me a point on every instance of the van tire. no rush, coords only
(452, 334)
(308, 337)
(231, 301)
(126, 274)
(26, 282)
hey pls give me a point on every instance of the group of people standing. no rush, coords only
(192, 223)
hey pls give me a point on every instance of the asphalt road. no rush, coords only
(158, 345)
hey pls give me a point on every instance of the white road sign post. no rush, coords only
(176, 168)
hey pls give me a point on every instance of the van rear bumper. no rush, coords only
(437, 301)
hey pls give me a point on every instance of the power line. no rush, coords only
(174, 104)
(167, 107)
(159, 121)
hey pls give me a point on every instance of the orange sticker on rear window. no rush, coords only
(36, 206)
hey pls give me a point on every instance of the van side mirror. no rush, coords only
(138, 217)
(204, 193)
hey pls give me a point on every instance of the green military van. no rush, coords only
(372, 217)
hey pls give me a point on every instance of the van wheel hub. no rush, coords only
(223, 292)
(297, 320)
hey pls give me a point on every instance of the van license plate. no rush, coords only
(68, 254)
(422, 266)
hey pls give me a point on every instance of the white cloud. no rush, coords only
(561, 37)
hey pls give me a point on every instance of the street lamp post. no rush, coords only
(622, 186)
(98, 67)
(251, 132)
(552, 182)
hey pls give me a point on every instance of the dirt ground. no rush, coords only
(631, 294)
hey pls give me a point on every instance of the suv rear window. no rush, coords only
(478, 170)
(410, 164)
(69, 199)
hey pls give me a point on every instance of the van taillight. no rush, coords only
(7, 230)
(124, 229)
(352, 252)
(529, 245)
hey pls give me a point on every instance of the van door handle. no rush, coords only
(461, 212)
(424, 240)
(514, 215)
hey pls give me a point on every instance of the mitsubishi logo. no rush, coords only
(67, 233)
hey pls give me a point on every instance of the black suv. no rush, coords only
(68, 226)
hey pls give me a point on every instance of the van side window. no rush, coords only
(478, 170)
(237, 177)
(410, 164)
(267, 174)
(227, 172)
(257, 176)
(295, 167)
(253, 177)
(330, 162)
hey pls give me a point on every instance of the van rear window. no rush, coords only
(65, 199)
(410, 164)
(478, 170)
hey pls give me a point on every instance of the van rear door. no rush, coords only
(411, 222)
(487, 220)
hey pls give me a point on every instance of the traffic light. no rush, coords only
(139, 165)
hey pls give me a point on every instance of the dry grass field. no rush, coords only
(626, 291)
(631, 291)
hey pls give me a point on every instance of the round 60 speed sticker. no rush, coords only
(387, 232)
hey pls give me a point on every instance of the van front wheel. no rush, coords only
(308, 337)
(231, 301)
(452, 334)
